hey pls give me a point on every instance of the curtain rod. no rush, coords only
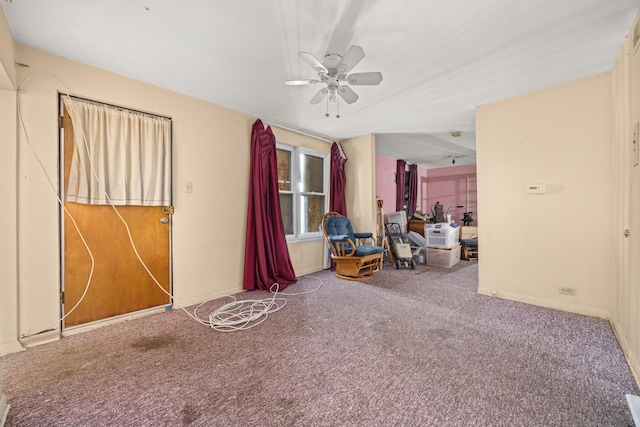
(118, 107)
(297, 130)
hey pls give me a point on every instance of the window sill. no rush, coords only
(294, 240)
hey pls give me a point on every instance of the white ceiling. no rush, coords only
(440, 59)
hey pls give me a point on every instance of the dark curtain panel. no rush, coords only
(400, 167)
(413, 190)
(338, 179)
(266, 256)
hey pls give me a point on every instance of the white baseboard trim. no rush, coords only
(632, 360)
(42, 338)
(4, 407)
(10, 347)
(541, 302)
(4, 410)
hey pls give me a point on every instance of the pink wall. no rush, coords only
(386, 184)
(451, 186)
(445, 185)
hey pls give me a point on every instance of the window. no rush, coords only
(303, 182)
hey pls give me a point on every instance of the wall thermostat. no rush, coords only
(536, 188)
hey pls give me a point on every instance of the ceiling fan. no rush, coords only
(333, 72)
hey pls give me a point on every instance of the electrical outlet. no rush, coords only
(567, 291)
(188, 187)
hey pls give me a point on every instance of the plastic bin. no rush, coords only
(443, 257)
(441, 237)
(420, 255)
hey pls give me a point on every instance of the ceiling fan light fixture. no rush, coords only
(456, 133)
(331, 60)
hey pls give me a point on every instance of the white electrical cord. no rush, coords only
(234, 316)
(60, 202)
(245, 314)
(240, 315)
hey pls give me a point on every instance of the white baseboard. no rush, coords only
(632, 360)
(41, 338)
(10, 347)
(541, 302)
(5, 412)
(4, 408)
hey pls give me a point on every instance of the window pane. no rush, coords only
(312, 174)
(313, 207)
(286, 210)
(284, 169)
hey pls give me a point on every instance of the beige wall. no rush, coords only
(7, 67)
(9, 221)
(210, 149)
(361, 182)
(8, 194)
(626, 112)
(533, 244)
(576, 139)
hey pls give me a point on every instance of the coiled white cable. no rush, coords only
(240, 315)
(245, 314)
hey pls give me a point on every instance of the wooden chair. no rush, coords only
(353, 257)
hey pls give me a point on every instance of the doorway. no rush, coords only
(128, 268)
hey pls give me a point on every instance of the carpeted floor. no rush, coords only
(408, 348)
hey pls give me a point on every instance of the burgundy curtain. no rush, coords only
(400, 167)
(413, 190)
(338, 180)
(266, 256)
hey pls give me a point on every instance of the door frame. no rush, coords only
(62, 214)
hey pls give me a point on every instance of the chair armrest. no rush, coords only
(364, 239)
(341, 245)
(363, 235)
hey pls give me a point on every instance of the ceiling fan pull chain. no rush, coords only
(327, 114)
(338, 106)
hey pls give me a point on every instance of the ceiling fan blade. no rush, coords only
(313, 62)
(301, 82)
(372, 78)
(348, 94)
(319, 96)
(351, 58)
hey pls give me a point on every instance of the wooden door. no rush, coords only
(120, 284)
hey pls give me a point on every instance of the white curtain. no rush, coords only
(123, 153)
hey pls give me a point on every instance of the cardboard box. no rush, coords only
(468, 232)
